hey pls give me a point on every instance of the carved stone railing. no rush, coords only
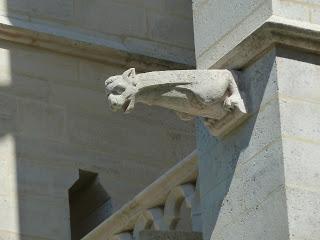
(157, 207)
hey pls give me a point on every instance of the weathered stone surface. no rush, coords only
(303, 212)
(171, 29)
(266, 173)
(54, 121)
(247, 30)
(173, 235)
(114, 25)
(303, 70)
(213, 25)
(241, 177)
(302, 10)
(212, 94)
(299, 115)
(56, 9)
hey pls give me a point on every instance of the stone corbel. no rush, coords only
(211, 94)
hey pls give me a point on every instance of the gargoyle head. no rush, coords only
(121, 91)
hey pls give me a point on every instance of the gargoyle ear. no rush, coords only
(130, 73)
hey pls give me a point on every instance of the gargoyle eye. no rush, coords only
(117, 90)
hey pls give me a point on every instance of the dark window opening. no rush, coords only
(89, 204)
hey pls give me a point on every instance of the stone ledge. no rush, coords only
(80, 45)
(275, 31)
(169, 235)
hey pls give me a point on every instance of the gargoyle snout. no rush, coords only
(107, 86)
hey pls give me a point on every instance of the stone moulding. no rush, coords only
(211, 94)
(66, 41)
(275, 31)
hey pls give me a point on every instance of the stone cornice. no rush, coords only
(79, 45)
(275, 31)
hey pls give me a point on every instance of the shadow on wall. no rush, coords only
(219, 158)
(54, 121)
(89, 204)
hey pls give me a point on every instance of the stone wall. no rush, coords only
(239, 20)
(54, 121)
(301, 10)
(241, 176)
(222, 25)
(262, 181)
(299, 87)
(157, 28)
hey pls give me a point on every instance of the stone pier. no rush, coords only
(262, 181)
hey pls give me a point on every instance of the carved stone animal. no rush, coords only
(211, 94)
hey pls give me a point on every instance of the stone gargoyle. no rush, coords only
(211, 94)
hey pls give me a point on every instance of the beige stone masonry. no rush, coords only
(80, 46)
(275, 31)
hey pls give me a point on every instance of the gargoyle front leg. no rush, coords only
(185, 116)
(231, 102)
(209, 122)
(234, 99)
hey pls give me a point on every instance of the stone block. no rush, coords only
(42, 64)
(245, 189)
(300, 119)
(221, 158)
(78, 99)
(9, 210)
(105, 23)
(100, 17)
(298, 75)
(40, 120)
(27, 87)
(169, 235)
(18, 209)
(8, 166)
(43, 177)
(92, 75)
(109, 135)
(169, 29)
(5, 68)
(210, 16)
(297, 10)
(45, 211)
(213, 42)
(8, 114)
(301, 163)
(258, 82)
(56, 9)
(160, 50)
(171, 7)
(303, 213)
(315, 14)
(267, 221)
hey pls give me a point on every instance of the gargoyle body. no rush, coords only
(211, 94)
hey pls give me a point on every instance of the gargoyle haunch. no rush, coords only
(211, 94)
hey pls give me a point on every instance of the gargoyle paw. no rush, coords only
(230, 102)
(185, 116)
(209, 122)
